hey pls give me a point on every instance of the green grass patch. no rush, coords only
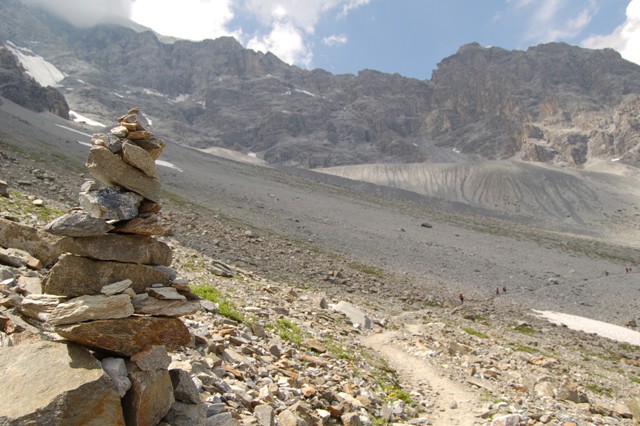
(524, 348)
(19, 204)
(367, 269)
(290, 331)
(476, 333)
(635, 379)
(628, 347)
(226, 307)
(525, 329)
(337, 349)
(597, 389)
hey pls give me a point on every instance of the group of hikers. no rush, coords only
(504, 291)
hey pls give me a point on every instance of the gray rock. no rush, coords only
(117, 371)
(265, 415)
(222, 419)
(110, 203)
(4, 189)
(91, 307)
(116, 288)
(182, 414)
(508, 420)
(39, 306)
(78, 224)
(183, 387)
(152, 357)
(51, 383)
(165, 293)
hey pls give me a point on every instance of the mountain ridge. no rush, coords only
(553, 103)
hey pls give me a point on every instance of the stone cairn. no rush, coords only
(112, 290)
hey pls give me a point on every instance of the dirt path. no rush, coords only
(453, 404)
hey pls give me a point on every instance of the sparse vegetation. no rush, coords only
(289, 331)
(476, 333)
(225, 306)
(19, 204)
(525, 329)
(337, 349)
(367, 269)
(635, 379)
(598, 389)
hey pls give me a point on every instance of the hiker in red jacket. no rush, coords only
(461, 297)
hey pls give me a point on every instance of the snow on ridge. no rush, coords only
(82, 119)
(45, 73)
(305, 92)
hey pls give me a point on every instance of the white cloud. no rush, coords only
(291, 23)
(85, 13)
(286, 41)
(188, 19)
(334, 39)
(625, 38)
(549, 22)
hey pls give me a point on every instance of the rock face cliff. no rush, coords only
(20, 88)
(552, 103)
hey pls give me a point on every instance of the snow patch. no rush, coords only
(252, 155)
(305, 92)
(82, 119)
(146, 117)
(604, 329)
(85, 143)
(164, 163)
(45, 73)
(73, 130)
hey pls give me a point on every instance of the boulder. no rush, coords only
(120, 248)
(76, 276)
(89, 307)
(150, 397)
(50, 383)
(109, 203)
(78, 224)
(127, 336)
(112, 170)
(29, 239)
(355, 315)
(140, 159)
(117, 371)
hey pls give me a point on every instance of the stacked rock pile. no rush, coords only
(112, 290)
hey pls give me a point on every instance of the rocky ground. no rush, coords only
(425, 360)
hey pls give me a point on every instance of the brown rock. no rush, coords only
(76, 276)
(128, 336)
(87, 308)
(30, 285)
(29, 239)
(147, 305)
(139, 158)
(120, 248)
(139, 135)
(112, 170)
(49, 383)
(142, 226)
(183, 387)
(182, 414)
(153, 146)
(149, 399)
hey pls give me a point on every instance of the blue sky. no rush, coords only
(408, 37)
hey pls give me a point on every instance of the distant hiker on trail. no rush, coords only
(606, 273)
(504, 288)
(497, 290)
(461, 297)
